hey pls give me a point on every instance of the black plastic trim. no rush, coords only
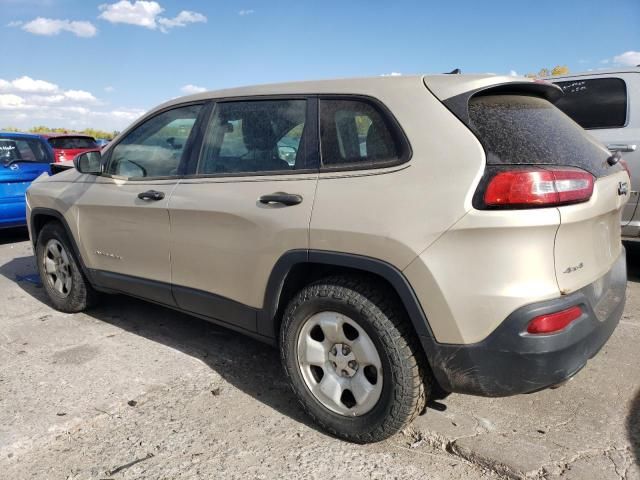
(267, 322)
(157, 292)
(511, 361)
(48, 212)
(215, 306)
(205, 305)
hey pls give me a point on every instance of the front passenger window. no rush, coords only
(154, 148)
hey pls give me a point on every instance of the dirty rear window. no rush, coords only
(528, 130)
(72, 142)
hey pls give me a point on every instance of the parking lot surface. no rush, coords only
(134, 390)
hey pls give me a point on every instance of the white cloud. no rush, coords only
(127, 114)
(80, 96)
(109, 89)
(392, 74)
(12, 102)
(630, 58)
(27, 84)
(191, 89)
(242, 13)
(147, 14)
(181, 20)
(513, 73)
(47, 99)
(15, 23)
(141, 13)
(26, 102)
(50, 26)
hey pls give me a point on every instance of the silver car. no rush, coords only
(607, 104)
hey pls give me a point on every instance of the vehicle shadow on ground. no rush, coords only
(633, 426)
(249, 365)
(13, 235)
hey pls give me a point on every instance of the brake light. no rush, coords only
(554, 322)
(537, 187)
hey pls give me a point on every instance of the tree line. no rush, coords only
(95, 133)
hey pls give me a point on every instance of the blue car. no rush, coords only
(23, 158)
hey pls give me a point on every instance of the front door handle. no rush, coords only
(151, 195)
(281, 197)
(621, 147)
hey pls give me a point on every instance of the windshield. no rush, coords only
(22, 150)
(73, 142)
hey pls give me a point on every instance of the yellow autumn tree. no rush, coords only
(545, 72)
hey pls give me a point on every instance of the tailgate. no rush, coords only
(588, 240)
(520, 128)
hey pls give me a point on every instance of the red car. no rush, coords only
(68, 145)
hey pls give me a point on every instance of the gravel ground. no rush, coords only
(133, 390)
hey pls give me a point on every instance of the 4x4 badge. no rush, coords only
(623, 188)
(573, 269)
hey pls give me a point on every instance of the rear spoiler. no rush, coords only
(60, 167)
(459, 104)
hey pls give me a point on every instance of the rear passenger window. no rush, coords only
(354, 132)
(595, 103)
(154, 148)
(255, 137)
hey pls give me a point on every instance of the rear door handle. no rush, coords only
(151, 195)
(622, 147)
(281, 197)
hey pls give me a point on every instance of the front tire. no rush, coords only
(352, 358)
(62, 279)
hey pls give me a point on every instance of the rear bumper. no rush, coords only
(511, 361)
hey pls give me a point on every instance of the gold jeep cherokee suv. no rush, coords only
(397, 238)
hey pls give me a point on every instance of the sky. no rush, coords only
(101, 64)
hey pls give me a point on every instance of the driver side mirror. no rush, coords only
(89, 162)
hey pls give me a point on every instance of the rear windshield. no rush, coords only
(527, 130)
(20, 149)
(73, 142)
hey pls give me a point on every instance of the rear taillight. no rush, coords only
(538, 187)
(553, 322)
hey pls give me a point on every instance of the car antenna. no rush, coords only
(455, 71)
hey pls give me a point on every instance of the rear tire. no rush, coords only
(62, 278)
(352, 358)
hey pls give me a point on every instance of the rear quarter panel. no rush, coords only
(393, 214)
